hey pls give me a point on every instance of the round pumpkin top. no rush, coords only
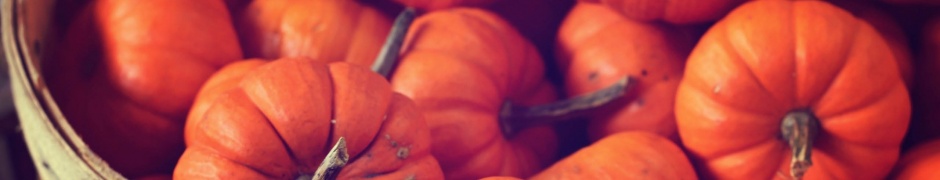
(125, 74)
(597, 47)
(460, 66)
(626, 155)
(323, 30)
(264, 120)
(768, 60)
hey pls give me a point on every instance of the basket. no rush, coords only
(57, 151)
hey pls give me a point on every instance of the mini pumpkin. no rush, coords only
(597, 47)
(276, 120)
(791, 89)
(461, 66)
(625, 155)
(126, 72)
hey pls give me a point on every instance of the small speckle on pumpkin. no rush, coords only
(592, 76)
(643, 72)
(332, 121)
(411, 177)
(402, 153)
(716, 89)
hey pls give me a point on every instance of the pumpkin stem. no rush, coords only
(514, 117)
(388, 55)
(799, 128)
(334, 161)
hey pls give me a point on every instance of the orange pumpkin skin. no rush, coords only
(626, 155)
(460, 66)
(746, 74)
(674, 11)
(597, 47)
(257, 120)
(430, 5)
(126, 73)
(320, 30)
(919, 163)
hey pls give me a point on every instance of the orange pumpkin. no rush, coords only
(674, 11)
(919, 163)
(460, 66)
(781, 88)
(275, 120)
(126, 73)
(324, 30)
(597, 47)
(626, 155)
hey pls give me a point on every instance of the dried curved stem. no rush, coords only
(334, 161)
(799, 129)
(385, 61)
(514, 117)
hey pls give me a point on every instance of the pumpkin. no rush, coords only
(926, 122)
(790, 89)
(625, 155)
(126, 72)
(919, 162)
(597, 47)
(324, 30)
(675, 11)
(461, 66)
(275, 120)
(430, 5)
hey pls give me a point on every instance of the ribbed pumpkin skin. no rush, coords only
(125, 74)
(460, 66)
(672, 11)
(597, 47)
(746, 74)
(277, 120)
(626, 155)
(919, 163)
(323, 30)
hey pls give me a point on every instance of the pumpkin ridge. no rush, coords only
(733, 53)
(253, 107)
(844, 57)
(743, 146)
(855, 48)
(503, 86)
(351, 40)
(210, 151)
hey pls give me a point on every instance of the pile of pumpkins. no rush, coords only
(502, 89)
